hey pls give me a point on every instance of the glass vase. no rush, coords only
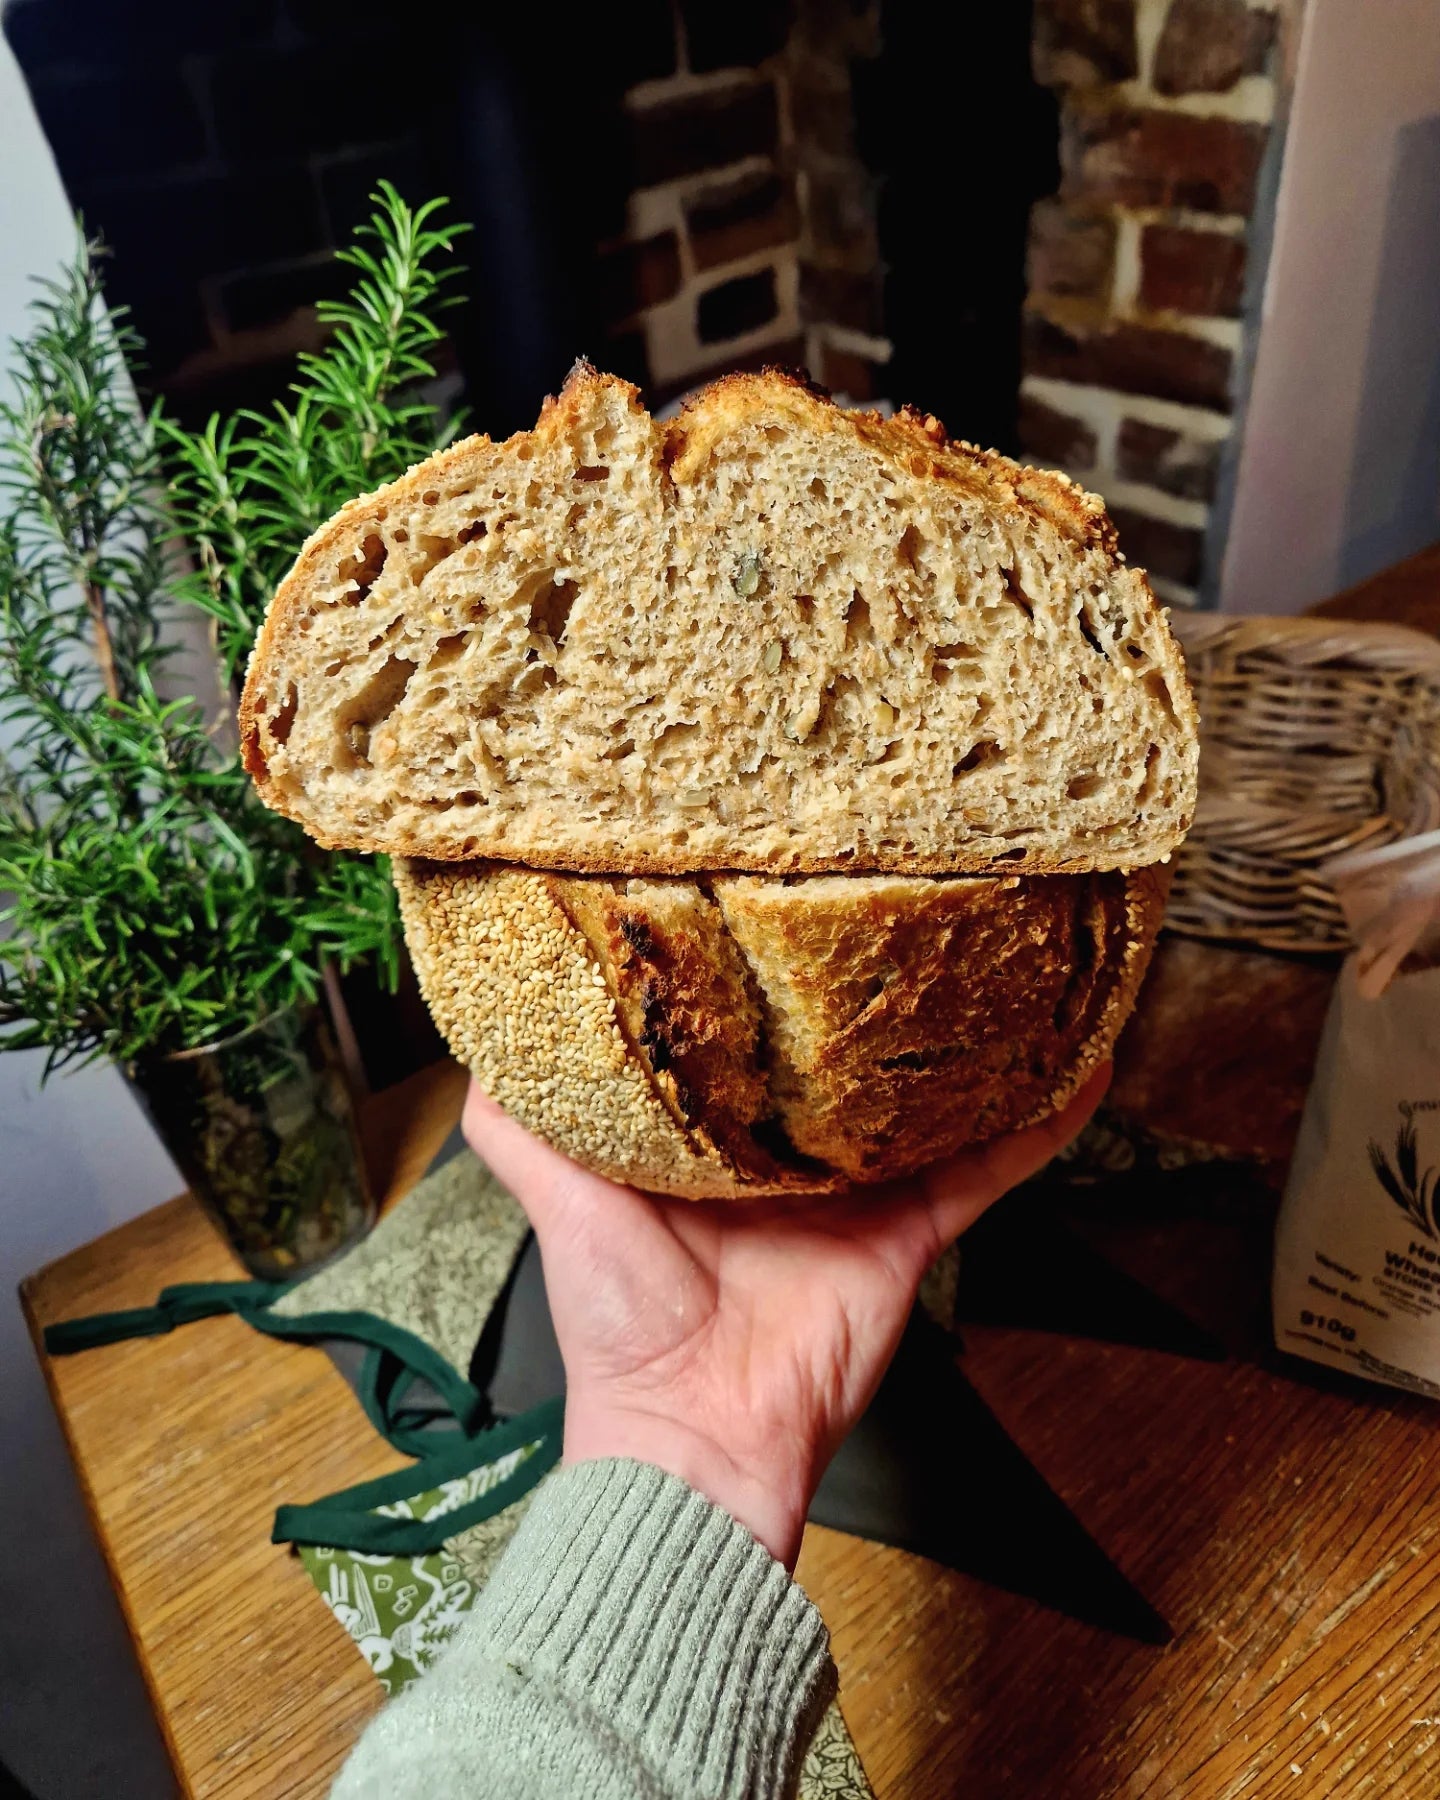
(261, 1126)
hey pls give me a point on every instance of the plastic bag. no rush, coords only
(1357, 1249)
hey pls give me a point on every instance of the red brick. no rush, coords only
(681, 135)
(1078, 43)
(1070, 252)
(728, 220)
(782, 353)
(1147, 158)
(1175, 551)
(629, 277)
(840, 214)
(1207, 45)
(1054, 437)
(823, 115)
(856, 377)
(840, 297)
(1133, 358)
(1167, 459)
(1191, 271)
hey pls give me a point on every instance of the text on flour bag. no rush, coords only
(1357, 1247)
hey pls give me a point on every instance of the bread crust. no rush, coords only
(635, 1025)
(915, 438)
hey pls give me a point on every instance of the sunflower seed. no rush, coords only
(770, 660)
(747, 575)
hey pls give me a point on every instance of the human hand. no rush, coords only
(734, 1344)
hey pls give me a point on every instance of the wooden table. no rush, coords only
(1287, 1525)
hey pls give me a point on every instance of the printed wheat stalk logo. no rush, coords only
(1415, 1194)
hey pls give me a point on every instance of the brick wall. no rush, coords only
(1138, 266)
(750, 193)
(224, 151)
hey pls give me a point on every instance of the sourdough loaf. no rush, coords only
(742, 1036)
(768, 636)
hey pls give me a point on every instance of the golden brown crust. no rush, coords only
(933, 1014)
(684, 999)
(917, 439)
(515, 989)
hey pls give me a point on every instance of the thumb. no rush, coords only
(958, 1191)
(555, 1192)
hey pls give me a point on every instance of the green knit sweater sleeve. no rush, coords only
(634, 1641)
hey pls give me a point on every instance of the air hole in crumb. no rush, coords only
(944, 655)
(467, 797)
(878, 983)
(472, 532)
(280, 725)
(805, 606)
(1147, 785)
(1133, 651)
(400, 535)
(1158, 689)
(550, 609)
(592, 472)
(433, 551)
(857, 621)
(1087, 631)
(773, 434)
(1082, 787)
(908, 549)
(532, 495)
(449, 649)
(818, 490)
(1012, 856)
(981, 753)
(617, 751)
(364, 568)
(673, 736)
(375, 702)
(1016, 594)
(431, 497)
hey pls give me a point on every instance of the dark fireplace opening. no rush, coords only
(966, 140)
(1036, 220)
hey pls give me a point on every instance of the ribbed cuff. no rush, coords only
(656, 1611)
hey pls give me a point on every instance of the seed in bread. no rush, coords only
(769, 636)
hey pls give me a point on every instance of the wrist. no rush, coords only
(768, 1496)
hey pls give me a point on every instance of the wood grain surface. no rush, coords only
(1287, 1524)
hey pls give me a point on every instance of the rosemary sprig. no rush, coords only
(250, 490)
(150, 903)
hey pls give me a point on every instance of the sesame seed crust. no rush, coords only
(519, 996)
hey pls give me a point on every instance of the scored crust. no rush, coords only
(560, 652)
(747, 1037)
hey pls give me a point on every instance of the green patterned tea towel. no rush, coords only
(401, 1611)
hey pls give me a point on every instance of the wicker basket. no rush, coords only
(1317, 736)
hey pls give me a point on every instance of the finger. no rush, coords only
(547, 1184)
(957, 1192)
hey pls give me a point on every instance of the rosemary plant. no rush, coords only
(248, 492)
(148, 902)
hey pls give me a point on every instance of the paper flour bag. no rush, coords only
(1357, 1250)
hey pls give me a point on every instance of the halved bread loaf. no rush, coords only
(740, 1036)
(769, 636)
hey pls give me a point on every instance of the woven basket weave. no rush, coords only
(1316, 737)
